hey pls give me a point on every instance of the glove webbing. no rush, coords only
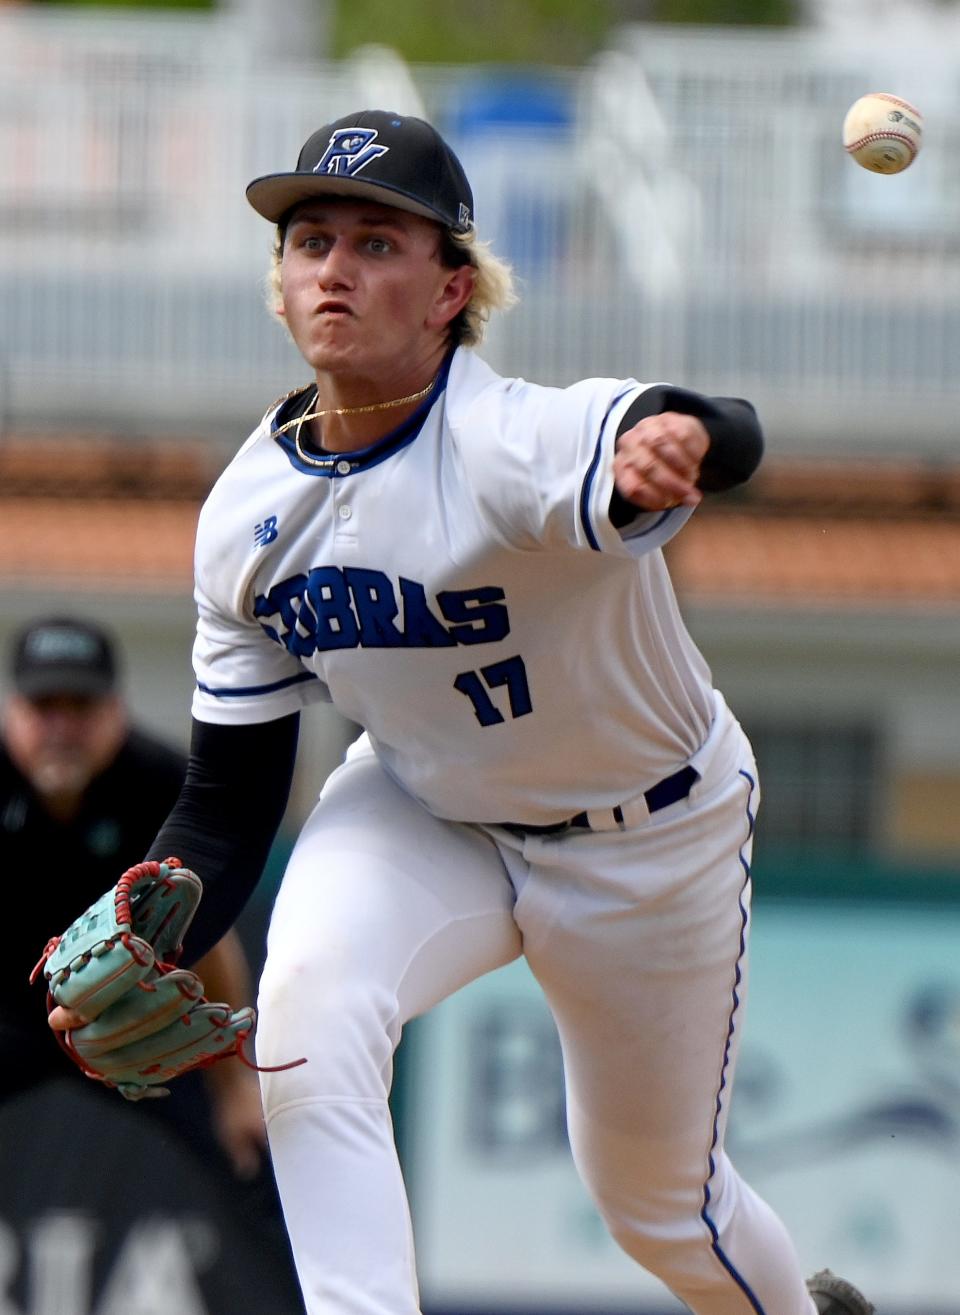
(152, 870)
(121, 903)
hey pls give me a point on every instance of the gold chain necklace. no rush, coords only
(297, 424)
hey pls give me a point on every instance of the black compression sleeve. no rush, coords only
(736, 439)
(227, 816)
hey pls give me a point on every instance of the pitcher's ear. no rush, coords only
(456, 291)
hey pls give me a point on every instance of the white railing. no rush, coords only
(680, 209)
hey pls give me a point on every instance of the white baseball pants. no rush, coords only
(638, 939)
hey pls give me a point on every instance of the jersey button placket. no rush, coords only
(341, 494)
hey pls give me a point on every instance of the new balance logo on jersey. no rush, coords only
(265, 532)
(350, 150)
(331, 608)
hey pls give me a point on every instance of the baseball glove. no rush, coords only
(116, 964)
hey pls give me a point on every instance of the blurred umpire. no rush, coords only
(81, 788)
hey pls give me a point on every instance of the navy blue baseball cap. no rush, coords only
(62, 656)
(395, 159)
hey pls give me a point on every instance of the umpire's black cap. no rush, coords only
(392, 158)
(63, 656)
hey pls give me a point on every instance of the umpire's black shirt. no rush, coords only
(55, 870)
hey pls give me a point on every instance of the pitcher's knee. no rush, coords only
(676, 1249)
(671, 1228)
(345, 1026)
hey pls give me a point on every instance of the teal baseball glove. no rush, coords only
(116, 965)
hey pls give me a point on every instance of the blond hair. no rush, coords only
(493, 287)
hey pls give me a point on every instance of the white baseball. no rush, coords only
(883, 132)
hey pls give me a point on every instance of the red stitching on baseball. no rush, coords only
(883, 137)
(894, 100)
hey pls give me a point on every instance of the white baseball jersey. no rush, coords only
(459, 590)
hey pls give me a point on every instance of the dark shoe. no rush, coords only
(834, 1296)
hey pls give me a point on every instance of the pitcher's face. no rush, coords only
(363, 290)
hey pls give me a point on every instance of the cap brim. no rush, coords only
(57, 681)
(273, 195)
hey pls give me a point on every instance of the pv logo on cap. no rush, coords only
(349, 151)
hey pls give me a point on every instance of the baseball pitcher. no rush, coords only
(470, 567)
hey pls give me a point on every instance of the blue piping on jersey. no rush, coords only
(243, 690)
(718, 1251)
(587, 484)
(363, 458)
